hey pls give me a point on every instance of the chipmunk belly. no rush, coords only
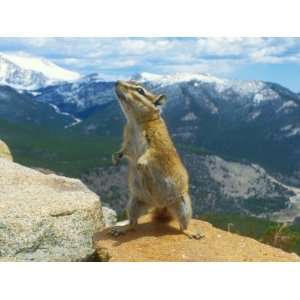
(154, 183)
(137, 144)
(167, 187)
(151, 185)
(139, 186)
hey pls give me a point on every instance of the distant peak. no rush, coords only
(42, 65)
(93, 77)
(24, 71)
(145, 76)
(175, 78)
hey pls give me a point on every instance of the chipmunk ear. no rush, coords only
(160, 100)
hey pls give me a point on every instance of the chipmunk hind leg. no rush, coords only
(182, 212)
(135, 209)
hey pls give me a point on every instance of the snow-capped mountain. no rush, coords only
(176, 78)
(197, 98)
(189, 96)
(75, 97)
(258, 90)
(251, 119)
(25, 72)
(237, 124)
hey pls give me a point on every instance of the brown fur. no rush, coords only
(157, 177)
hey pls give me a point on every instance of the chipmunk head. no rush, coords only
(137, 102)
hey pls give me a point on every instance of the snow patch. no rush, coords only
(255, 115)
(264, 95)
(76, 120)
(287, 106)
(290, 130)
(286, 128)
(189, 117)
(176, 78)
(294, 131)
(35, 93)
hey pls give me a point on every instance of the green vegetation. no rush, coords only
(21, 108)
(72, 154)
(284, 236)
(259, 206)
(69, 154)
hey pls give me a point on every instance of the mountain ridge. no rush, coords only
(254, 122)
(25, 72)
(21, 108)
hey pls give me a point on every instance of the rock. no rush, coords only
(4, 151)
(46, 171)
(163, 242)
(45, 217)
(109, 216)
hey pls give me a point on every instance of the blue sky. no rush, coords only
(270, 59)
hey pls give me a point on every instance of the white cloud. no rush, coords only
(211, 55)
(251, 49)
(219, 68)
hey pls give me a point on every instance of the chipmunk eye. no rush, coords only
(140, 91)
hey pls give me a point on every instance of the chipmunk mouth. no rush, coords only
(121, 95)
(119, 92)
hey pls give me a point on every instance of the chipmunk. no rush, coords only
(157, 178)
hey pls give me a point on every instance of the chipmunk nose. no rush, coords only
(120, 83)
(119, 88)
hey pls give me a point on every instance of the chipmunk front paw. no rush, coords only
(116, 158)
(142, 162)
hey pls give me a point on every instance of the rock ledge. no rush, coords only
(163, 242)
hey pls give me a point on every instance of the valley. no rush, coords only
(240, 140)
